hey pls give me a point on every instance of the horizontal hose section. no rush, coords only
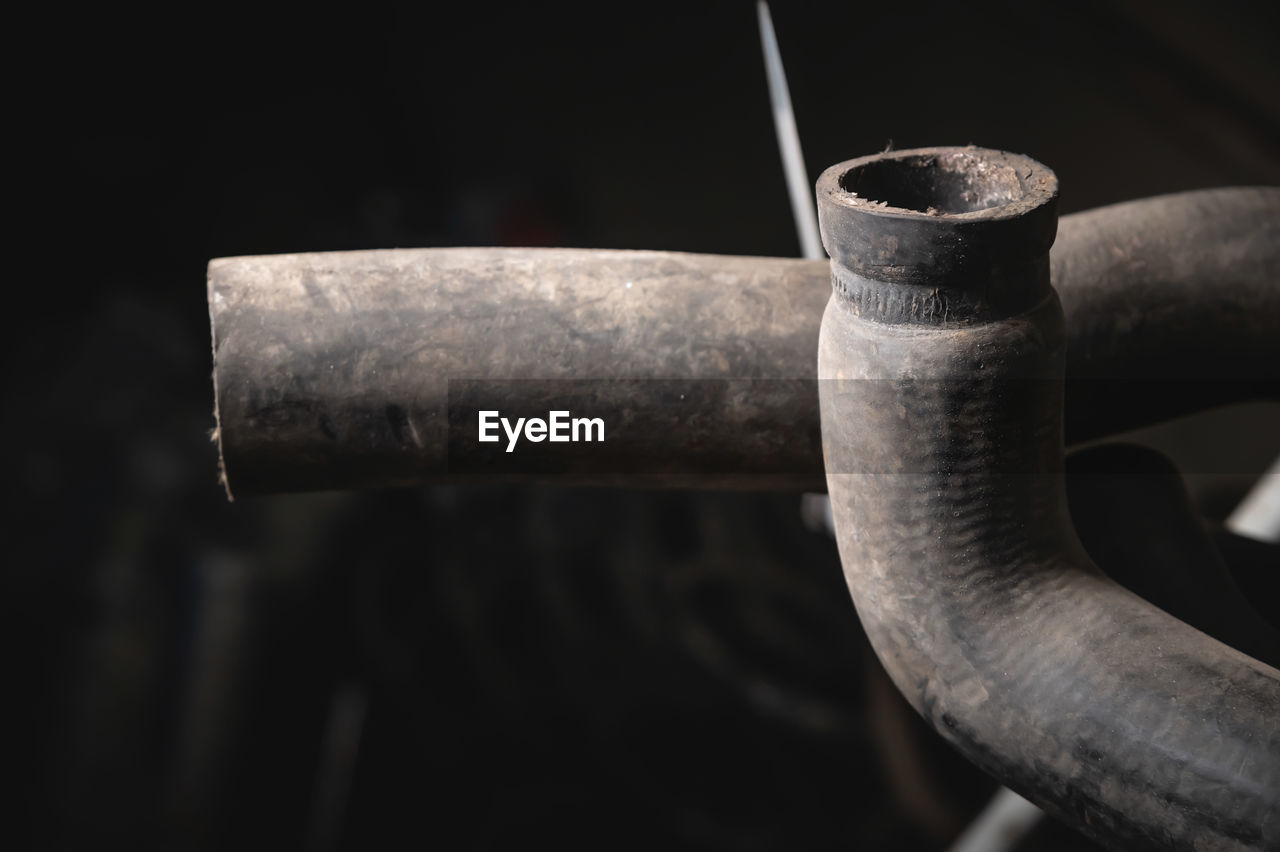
(370, 368)
(1172, 305)
(337, 370)
(941, 405)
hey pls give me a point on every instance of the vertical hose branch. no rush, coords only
(941, 363)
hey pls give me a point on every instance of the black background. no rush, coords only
(524, 669)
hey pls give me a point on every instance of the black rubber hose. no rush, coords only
(1255, 566)
(1172, 305)
(343, 370)
(941, 362)
(1137, 522)
(361, 369)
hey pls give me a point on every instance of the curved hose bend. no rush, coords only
(941, 359)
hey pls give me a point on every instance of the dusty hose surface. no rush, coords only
(358, 369)
(1172, 305)
(342, 370)
(941, 366)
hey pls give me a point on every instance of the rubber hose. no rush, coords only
(1138, 524)
(360, 369)
(941, 360)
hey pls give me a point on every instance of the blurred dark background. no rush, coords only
(481, 667)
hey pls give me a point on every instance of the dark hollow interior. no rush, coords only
(934, 183)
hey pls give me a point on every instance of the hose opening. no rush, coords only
(953, 182)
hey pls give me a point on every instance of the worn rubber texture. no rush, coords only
(1172, 305)
(944, 446)
(333, 370)
(341, 370)
(1137, 522)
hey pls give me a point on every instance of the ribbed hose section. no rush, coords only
(943, 445)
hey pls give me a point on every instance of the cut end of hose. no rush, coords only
(953, 183)
(215, 435)
(976, 222)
